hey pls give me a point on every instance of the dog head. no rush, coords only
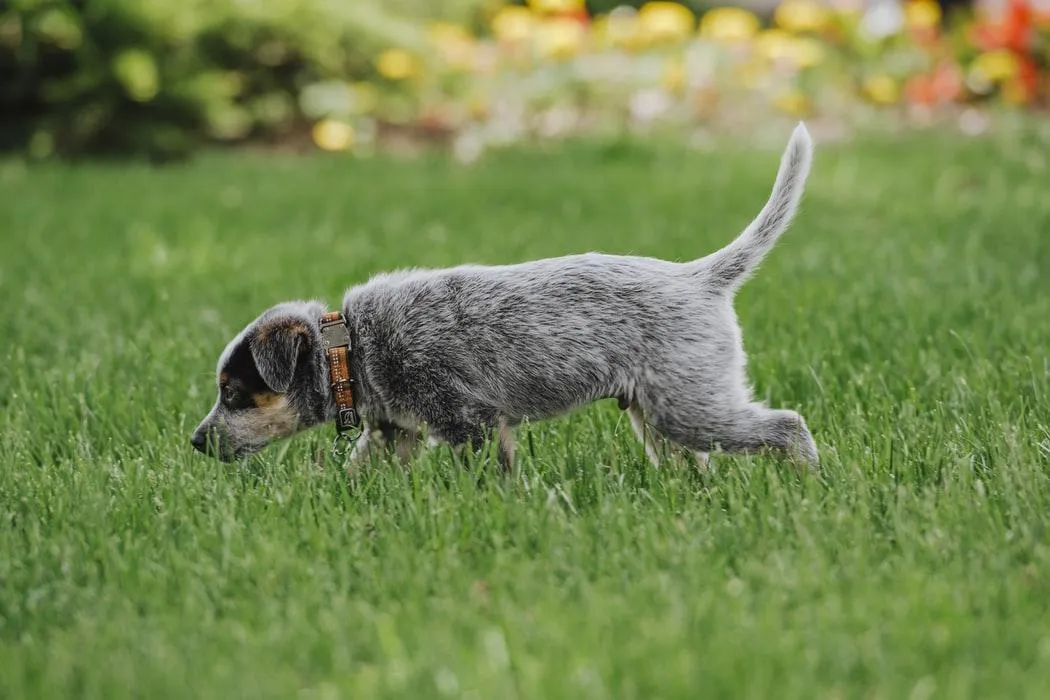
(271, 383)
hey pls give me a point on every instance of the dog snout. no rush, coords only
(199, 440)
(204, 439)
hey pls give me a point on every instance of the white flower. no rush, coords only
(882, 19)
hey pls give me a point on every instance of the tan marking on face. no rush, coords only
(224, 378)
(266, 399)
(274, 421)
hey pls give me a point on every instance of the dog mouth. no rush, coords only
(216, 449)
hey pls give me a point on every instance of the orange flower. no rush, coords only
(947, 82)
(919, 90)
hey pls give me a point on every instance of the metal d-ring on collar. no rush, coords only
(335, 338)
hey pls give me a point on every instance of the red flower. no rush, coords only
(1018, 25)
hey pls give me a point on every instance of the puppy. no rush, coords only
(472, 350)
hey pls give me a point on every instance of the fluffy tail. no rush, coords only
(730, 267)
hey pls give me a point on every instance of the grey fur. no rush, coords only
(472, 349)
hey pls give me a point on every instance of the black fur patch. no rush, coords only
(243, 380)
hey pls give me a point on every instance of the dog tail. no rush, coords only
(730, 267)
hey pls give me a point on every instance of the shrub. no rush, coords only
(156, 77)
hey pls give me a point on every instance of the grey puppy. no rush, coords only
(472, 350)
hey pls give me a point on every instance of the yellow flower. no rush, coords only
(666, 21)
(513, 24)
(801, 15)
(556, 6)
(922, 14)
(802, 52)
(559, 38)
(807, 52)
(793, 102)
(774, 44)
(882, 89)
(673, 78)
(333, 135)
(995, 66)
(728, 24)
(396, 64)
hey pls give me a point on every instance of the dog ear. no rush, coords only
(276, 348)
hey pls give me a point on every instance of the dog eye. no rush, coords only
(228, 394)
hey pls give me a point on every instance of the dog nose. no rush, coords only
(199, 441)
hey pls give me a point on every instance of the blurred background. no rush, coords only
(162, 78)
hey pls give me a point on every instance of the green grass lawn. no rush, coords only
(906, 314)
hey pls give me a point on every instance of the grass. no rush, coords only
(906, 314)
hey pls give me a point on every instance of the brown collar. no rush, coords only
(335, 337)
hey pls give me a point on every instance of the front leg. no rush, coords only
(468, 435)
(379, 438)
(364, 446)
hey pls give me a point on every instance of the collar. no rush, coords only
(335, 338)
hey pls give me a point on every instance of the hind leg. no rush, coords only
(753, 428)
(649, 437)
(779, 430)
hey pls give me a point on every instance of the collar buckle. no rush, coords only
(334, 333)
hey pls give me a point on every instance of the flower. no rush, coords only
(801, 15)
(777, 45)
(793, 102)
(673, 78)
(774, 44)
(557, 7)
(559, 38)
(513, 24)
(919, 90)
(666, 21)
(995, 66)
(396, 64)
(922, 14)
(729, 24)
(333, 135)
(883, 18)
(947, 81)
(881, 89)
(806, 52)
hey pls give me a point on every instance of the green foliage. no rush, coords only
(154, 76)
(906, 314)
